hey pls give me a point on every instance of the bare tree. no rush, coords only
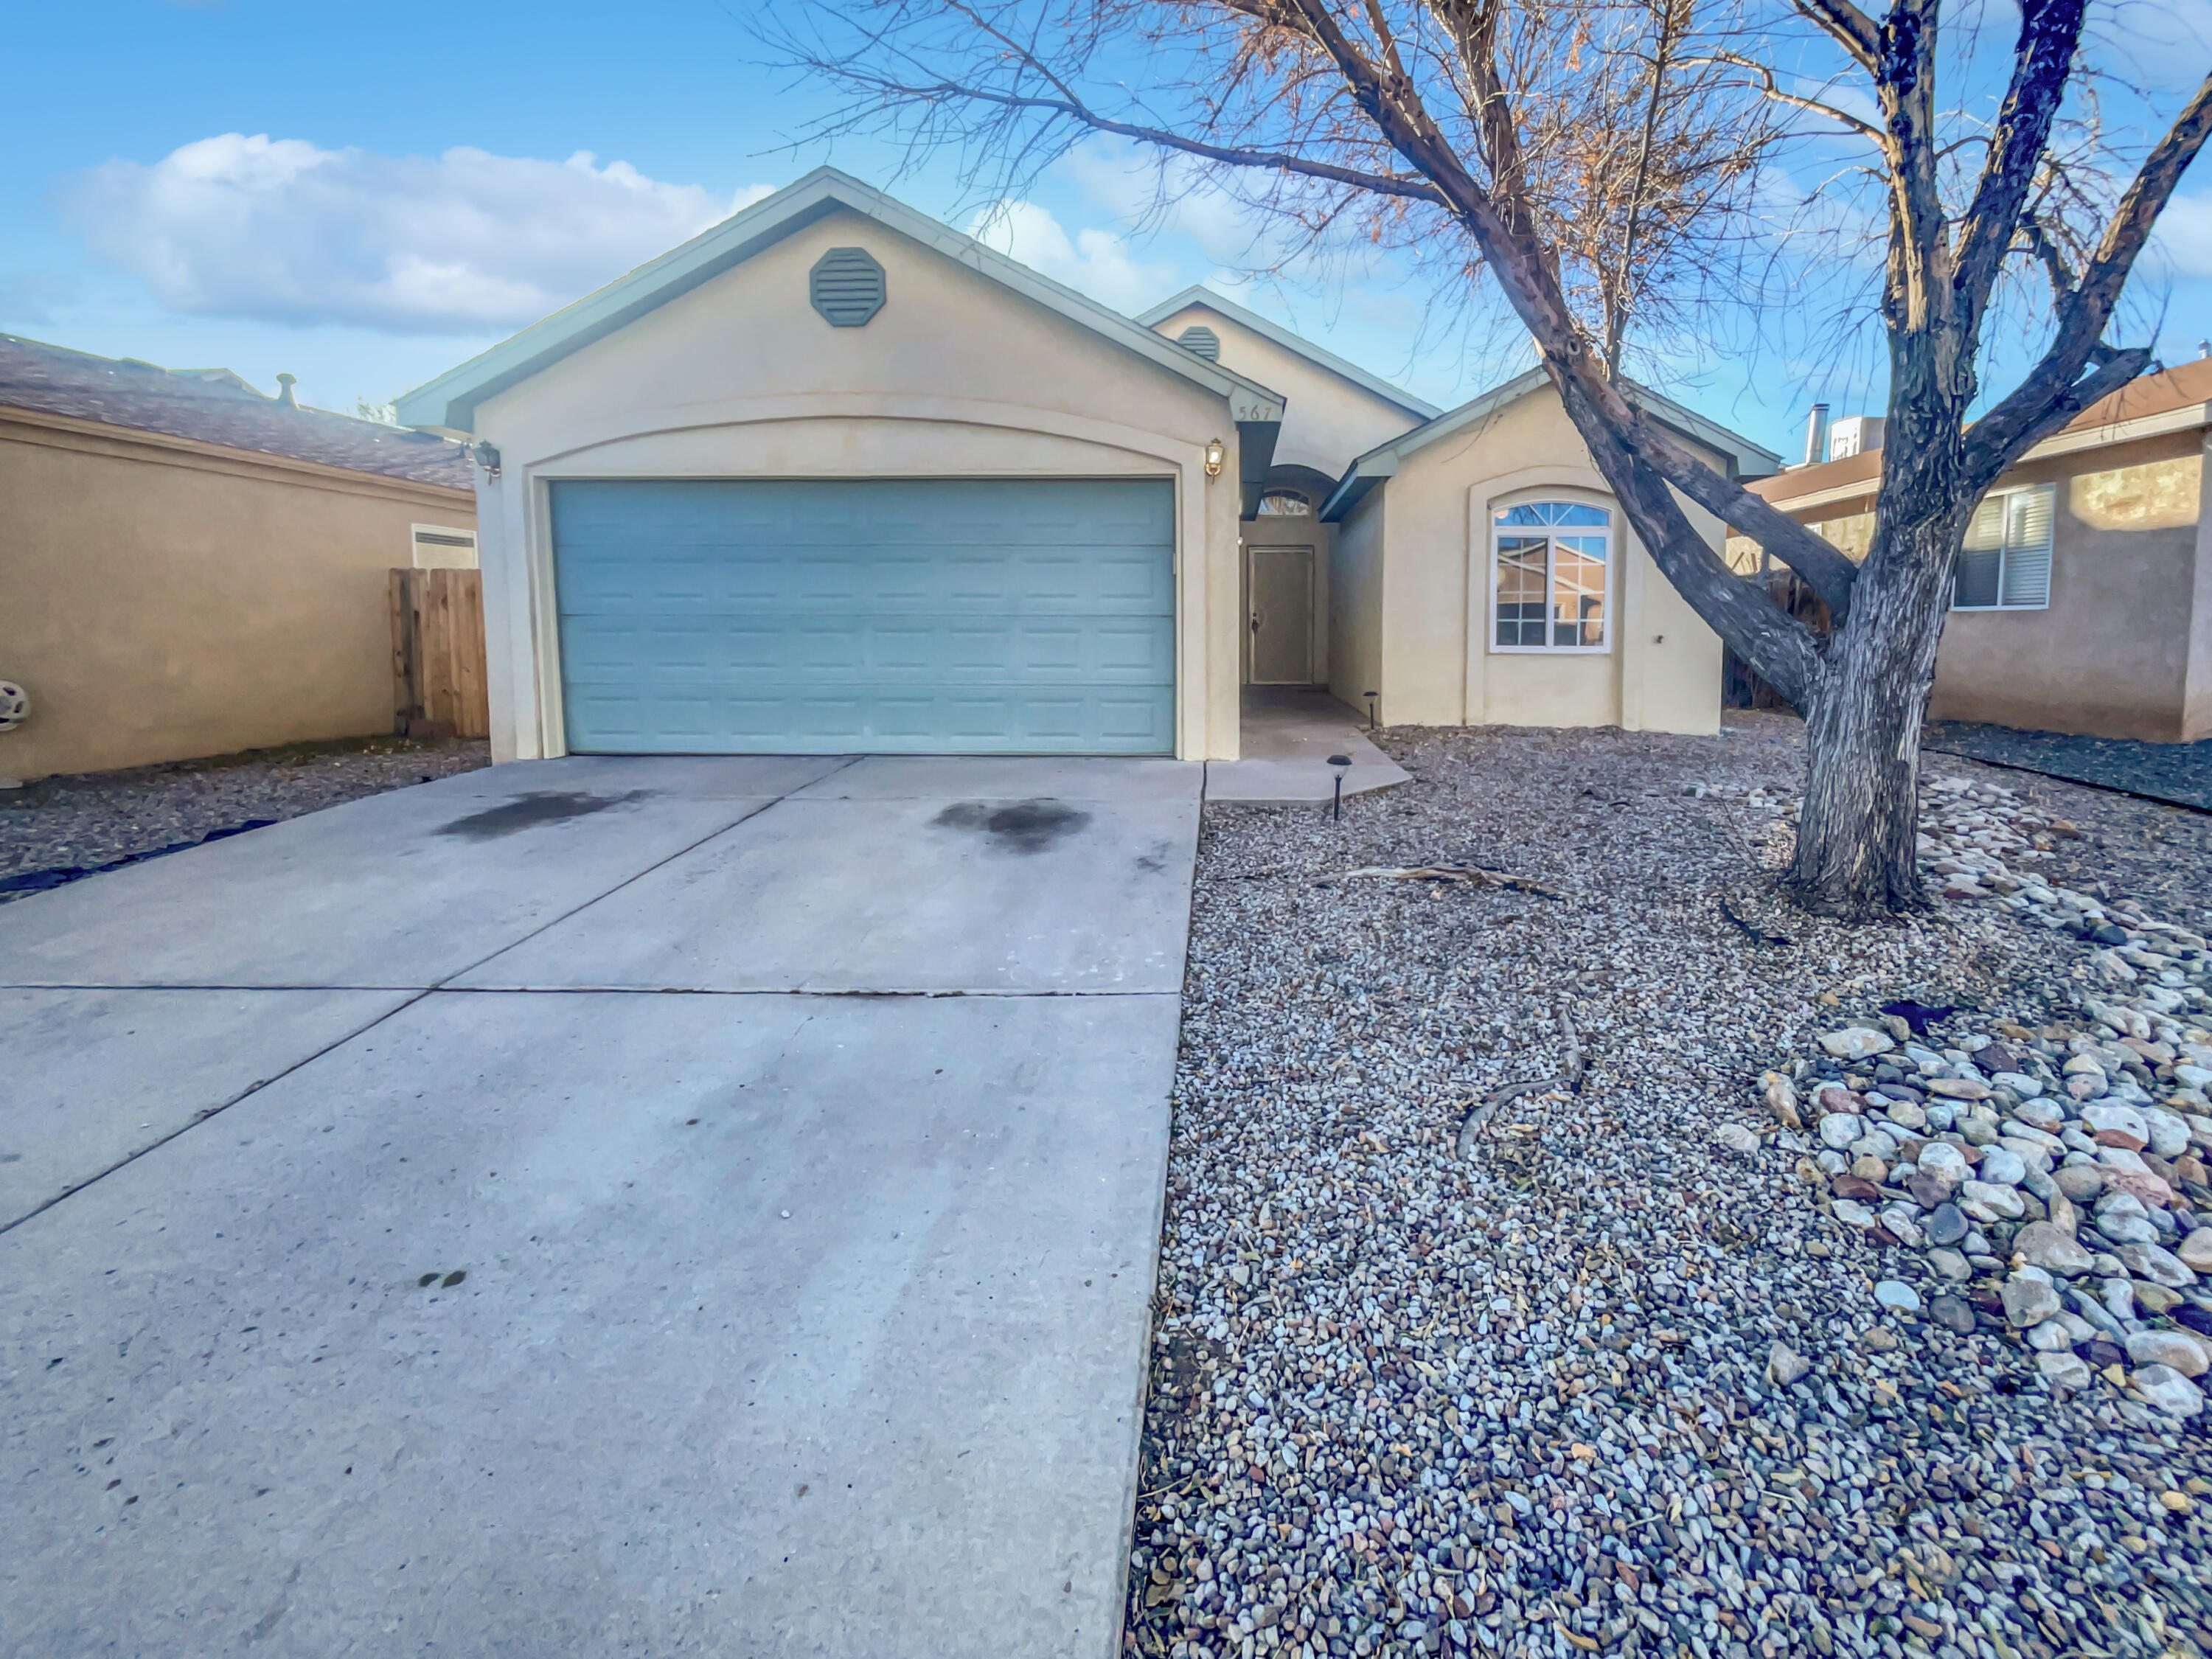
(1574, 151)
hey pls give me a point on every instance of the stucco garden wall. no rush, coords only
(164, 599)
(957, 376)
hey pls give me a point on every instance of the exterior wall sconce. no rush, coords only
(487, 458)
(1215, 455)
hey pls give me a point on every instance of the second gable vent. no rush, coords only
(846, 287)
(1204, 341)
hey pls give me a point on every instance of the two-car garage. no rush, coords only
(877, 616)
(834, 478)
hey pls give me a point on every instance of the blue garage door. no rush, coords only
(867, 616)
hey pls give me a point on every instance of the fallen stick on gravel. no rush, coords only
(1576, 1061)
(1471, 1127)
(1758, 936)
(1474, 874)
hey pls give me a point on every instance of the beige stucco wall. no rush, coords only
(2124, 647)
(2111, 656)
(957, 376)
(2196, 693)
(1660, 669)
(1355, 601)
(1329, 422)
(165, 600)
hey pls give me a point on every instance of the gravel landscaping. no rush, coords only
(82, 821)
(1617, 1362)
(2166, 771)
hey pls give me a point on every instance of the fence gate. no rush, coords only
(438, 654)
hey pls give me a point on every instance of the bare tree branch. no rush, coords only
(2051, 392)
(2049, 33)
(1769, 87)
(1849, 27)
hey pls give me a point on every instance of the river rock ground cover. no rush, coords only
(1598, 1367)
(87, 819)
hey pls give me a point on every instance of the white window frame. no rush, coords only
(1564, 498)
(2003, 552)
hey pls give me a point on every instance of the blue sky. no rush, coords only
(364, 197)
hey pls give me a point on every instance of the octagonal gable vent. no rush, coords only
(1204, 341)
(846, 287)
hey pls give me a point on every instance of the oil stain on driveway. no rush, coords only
(701, 1207)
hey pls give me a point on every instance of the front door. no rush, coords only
(1282, 615)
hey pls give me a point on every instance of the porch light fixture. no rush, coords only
(485, 457)
(1215, 455)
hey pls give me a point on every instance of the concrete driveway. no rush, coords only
(662, 1206)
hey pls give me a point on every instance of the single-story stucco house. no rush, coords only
(189, 567)
(2083, 601)
(834, 477)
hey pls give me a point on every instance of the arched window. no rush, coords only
(1551, 581)
(1282, 504)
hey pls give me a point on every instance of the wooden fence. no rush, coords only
(438, 654)
(1741, 684)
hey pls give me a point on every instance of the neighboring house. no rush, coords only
(2083, 601)
(832, 477)
(189, 567)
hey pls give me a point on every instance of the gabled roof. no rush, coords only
(215, 406)
(1202, 296)
(1748, 458)
(448, 403)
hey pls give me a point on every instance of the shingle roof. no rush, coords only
(215, 406)
(2185, 386)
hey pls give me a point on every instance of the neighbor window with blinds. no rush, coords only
(2005, 562)
(1552, 576)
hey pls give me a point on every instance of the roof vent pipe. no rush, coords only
(285, 385)
(1816, 434)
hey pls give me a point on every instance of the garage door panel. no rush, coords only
(888, 615)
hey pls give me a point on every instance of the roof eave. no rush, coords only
(2067, 440)
(1199, 295)
(1742, 453)
(447, 404)
(1363, 476)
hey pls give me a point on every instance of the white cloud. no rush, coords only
(280, 230)
(1097, 263)
(1125, 181)
(2183, 239)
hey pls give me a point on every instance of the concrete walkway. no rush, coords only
(1289, 734)
(668, 1206)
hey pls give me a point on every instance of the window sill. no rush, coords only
(1551, 650)
(1995, 610)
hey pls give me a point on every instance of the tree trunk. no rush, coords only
(1856, 835)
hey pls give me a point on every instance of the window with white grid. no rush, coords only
(2004, 564)
(1552, 565)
